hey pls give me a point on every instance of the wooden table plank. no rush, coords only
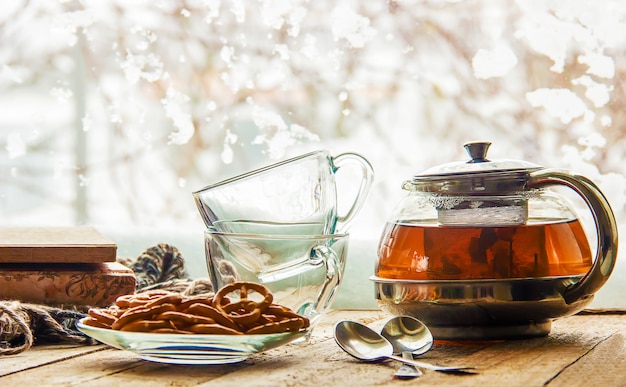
(39, 356)
(604, 364)
(581, 350)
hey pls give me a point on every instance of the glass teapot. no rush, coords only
(497, 220)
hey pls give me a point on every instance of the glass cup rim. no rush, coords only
(213, 231)
(242, 176)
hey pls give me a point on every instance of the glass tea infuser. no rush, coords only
(485, 249)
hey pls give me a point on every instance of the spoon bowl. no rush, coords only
(366, 344)
(361, 342)
(407, 334)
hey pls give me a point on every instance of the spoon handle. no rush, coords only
(433, 367)
(407, 371)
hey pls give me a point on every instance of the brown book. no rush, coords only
(55, 245)
(88, 284)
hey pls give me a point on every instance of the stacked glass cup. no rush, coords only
(279, 226)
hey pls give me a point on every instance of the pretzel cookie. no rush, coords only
(236, 309)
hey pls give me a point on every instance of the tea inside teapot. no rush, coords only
(433, 252)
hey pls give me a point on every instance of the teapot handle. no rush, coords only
(606, 228)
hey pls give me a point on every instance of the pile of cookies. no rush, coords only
(166, 312)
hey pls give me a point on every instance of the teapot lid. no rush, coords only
(476, 176)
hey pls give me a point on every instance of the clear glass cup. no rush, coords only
(303, 272)
(297, 196)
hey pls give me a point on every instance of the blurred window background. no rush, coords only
(113, 112)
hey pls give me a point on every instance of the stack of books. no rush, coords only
(61, 266)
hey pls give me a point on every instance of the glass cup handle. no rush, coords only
(333, 278)
(606, 228)
(366, 182)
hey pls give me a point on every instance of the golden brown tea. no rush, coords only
(419, 252)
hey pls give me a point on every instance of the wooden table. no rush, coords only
(583, 350)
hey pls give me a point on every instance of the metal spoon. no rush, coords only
(408, 336)
(363, 343)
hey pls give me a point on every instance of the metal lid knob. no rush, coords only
(477, 151)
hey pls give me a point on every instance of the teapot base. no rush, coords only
(491, 332)
(481, 309)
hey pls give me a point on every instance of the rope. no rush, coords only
(14, 325)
